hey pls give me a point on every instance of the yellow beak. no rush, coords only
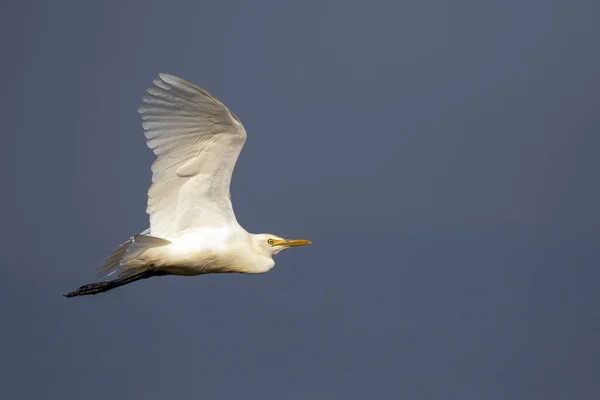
(293, 242)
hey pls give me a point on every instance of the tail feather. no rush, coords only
(113, 262)
(100, 287)
(129, 251)
(123, 260)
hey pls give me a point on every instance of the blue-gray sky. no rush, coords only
(443, 157)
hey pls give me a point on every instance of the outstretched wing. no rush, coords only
(197, 141)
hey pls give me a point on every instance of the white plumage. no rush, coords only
(193, 229)
(197, 141)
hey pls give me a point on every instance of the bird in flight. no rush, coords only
(193, 229)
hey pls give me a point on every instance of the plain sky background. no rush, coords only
(442, 155)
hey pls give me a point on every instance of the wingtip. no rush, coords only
(166, 77)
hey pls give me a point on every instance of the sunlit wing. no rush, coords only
(197, 141)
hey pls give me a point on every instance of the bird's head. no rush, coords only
(271, 244)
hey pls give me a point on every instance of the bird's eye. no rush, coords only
(271, 242)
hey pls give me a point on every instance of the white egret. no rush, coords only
(193, 229)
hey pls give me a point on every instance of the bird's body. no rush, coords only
(193, 229)
(209, 251)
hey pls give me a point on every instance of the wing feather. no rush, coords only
(197, 141)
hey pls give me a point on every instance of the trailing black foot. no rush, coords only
(100, 287)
